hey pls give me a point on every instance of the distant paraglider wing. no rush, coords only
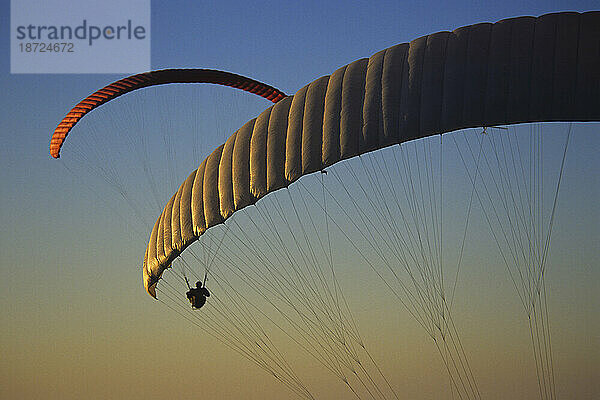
(154, 78)
(517, 70)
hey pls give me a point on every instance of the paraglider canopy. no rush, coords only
(516, 70)
(154, 78)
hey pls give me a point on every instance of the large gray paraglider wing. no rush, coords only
(517, 70)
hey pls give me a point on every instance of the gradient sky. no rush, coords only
(75, 321)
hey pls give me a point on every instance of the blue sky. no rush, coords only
(71, 294)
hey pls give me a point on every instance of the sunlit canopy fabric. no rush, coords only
(517, 70)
